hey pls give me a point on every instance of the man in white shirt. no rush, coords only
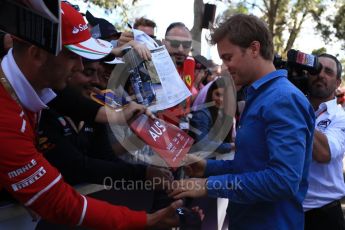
(326, 183)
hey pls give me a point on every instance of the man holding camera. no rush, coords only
(326, 183)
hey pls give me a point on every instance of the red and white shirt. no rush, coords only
(31, 179)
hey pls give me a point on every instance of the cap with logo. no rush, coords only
(76, 35)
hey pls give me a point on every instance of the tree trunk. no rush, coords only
(294, 32)
(196, 30)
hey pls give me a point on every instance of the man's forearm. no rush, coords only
(105, 115)
(321, 150)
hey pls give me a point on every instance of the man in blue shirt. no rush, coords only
(267, 180)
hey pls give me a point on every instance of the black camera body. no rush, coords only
(298, 65)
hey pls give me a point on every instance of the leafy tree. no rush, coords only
(110, 4)
(319, 51)
(339, 23)
(233, 9)
(199, 5)
(332, 27)
(284, 16)
(122, 7)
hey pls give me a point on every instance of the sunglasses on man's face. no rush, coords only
(177, 43)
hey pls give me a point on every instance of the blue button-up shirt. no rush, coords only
(267, 180)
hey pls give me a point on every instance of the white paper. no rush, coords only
(143, 38)
(171, 90)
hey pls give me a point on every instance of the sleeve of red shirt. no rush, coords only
(39, 186)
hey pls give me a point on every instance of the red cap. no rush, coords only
(76, 35)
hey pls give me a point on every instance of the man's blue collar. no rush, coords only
(269, 77)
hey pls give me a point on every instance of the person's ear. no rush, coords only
(164, 42)
(37, 55)
(338, 82)
(255, 48)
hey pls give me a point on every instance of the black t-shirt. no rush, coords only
(80, 149)
(73, 104)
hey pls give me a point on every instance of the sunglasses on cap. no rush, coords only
(177, 43)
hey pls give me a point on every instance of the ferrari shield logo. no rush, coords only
(188, 80)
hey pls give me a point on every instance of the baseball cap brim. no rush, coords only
(92, 48)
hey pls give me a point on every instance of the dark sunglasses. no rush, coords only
(177, 43)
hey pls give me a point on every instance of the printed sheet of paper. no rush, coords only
(169, 87)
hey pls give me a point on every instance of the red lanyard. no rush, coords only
(321, 113)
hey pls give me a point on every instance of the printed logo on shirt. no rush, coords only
(179, 211)
(23, 127)
(79, 28)
(322, 125)
(62, 121)
(22, 170)
(75, 30)
(29, 180)
(188, 80)
(88, 129)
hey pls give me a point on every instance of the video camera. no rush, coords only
(298, 64)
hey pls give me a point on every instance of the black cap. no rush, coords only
(201, 62)
(101, 28)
